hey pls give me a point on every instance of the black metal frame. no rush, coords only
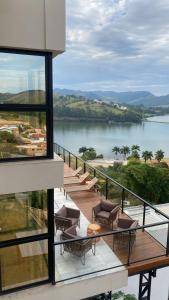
(48, 108)
(145, 285)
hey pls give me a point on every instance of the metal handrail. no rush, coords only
(117, 183)
(113, 232)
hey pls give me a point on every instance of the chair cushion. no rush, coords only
(103, 214)
(107, 205)
(73, 220)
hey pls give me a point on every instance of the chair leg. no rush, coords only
(83, 259)
(94, 248)
(61, 249)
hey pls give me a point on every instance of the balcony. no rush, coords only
(151, 246)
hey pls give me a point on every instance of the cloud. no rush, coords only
(110, 40)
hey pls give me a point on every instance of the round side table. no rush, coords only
(93, 229)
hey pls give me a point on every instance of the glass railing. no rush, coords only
(100, 254)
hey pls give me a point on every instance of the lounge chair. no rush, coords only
(106, 213)
(78, 248)
(66, 217)
(74, 173)
(122, 239)
(82, 187)
(74, 180)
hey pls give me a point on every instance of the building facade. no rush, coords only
(31, 34)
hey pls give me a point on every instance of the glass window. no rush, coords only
(22, 134)
(23, 214)
(24, 264)
(22, 79)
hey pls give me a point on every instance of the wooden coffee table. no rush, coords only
(93, 229)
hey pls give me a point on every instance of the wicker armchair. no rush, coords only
(66, 217)
(106, 213)
(125, 239)
(78, 248)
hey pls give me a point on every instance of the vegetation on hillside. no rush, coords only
(79, 108)
(149, 181)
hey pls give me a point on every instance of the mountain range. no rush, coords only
(130, 98)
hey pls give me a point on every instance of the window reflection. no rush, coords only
(22, 134)
(23, 214)
(22, 79)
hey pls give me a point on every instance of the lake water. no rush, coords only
(148, 135)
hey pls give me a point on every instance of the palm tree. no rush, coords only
(159, 155)
(116, 150)
(147, 155)
(150, 155)
(135, 147)
(135, 154)
(125, 150)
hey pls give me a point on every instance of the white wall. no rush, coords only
(74, 291)
(33, 24)
(31, 175)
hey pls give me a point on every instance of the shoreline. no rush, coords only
(103, 121)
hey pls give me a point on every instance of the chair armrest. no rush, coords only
(114, 211)
(61, 211)
(96, 209)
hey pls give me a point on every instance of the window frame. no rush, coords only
(46, 107)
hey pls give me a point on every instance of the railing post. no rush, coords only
(59, 153)
(94, 172)
(53, 275)
(1, 274)
(167, 249)
(64, 155)
(129, 249)
(69, 160)
(107, 187)
(76, 162)
(84, 167)
(144, 215)
(122, 200)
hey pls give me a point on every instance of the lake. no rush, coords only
(150, 136)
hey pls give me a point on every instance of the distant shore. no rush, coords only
(93, 120)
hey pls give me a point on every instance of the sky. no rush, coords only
(119, 45)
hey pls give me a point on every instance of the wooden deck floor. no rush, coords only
(144, 247)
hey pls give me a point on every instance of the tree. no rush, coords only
(135, 154)
(135, 147)
(147, 181)
(159, 155)
(116, 150)
(120, 295)
(147, 155)
(82, 149)
(125, 150)
(89, 154)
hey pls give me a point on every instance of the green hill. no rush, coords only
(26, 97)
(78, 108)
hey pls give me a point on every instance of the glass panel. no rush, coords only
(78, 258)
(22, 134)
(22, 79)
(23, 214)
(24, 264)
(151, 247)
